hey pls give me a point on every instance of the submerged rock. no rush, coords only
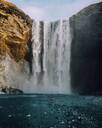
(86, 51)
(15, 36)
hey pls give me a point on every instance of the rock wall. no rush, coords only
(86, 51)
(15, 35)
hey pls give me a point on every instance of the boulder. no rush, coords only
(10, 90)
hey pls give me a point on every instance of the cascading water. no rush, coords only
(51, 57)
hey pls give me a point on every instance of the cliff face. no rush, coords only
(15, 31)
(86, 50)
(15, 35)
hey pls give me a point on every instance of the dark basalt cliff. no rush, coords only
(86, 51)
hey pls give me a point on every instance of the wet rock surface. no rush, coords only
(10, 90)
(50, 111)
(86, 51)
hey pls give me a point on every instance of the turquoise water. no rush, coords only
(50, 111)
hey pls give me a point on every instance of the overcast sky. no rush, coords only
(50, 10)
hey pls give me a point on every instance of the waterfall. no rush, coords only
(51, 57)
